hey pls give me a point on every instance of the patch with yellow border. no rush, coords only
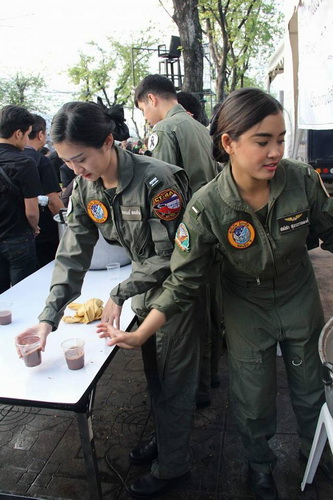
(241, 234)
(182, 238)
(167, 204)
(97, 211)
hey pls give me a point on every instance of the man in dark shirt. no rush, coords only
(48, 239)
(19, 190)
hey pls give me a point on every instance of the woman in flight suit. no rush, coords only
(259, 211)
(136, 202)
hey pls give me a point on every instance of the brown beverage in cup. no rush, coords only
(75, 361)
(34, 358)
(5, 317)
(5, 312)
(30, 350)
(74, 353)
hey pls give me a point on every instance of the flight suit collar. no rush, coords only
(230, 195)
(177, 108)
(125, 169)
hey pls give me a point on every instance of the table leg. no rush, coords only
(84, 421)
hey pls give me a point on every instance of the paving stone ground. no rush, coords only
(41, 457)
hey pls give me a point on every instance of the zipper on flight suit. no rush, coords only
(268, 235)
(111, 203)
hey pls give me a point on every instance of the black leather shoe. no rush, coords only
(144, 453)
(325, 467)
(263, 485)
(150, 486)
(215, 381)
(203, 404)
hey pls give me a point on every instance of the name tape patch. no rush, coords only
(130, 213)
(293, 222)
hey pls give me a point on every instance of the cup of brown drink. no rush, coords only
(30, 350)
(74, 353)
(5, 313)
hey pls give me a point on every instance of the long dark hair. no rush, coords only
(242, 109)
(88, 124)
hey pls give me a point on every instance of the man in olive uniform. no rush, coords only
(177, 138)
(180, 139)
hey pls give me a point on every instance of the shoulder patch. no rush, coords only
(182, 238)
(167, 204)
(152, 141)
(154, 181)
(196, 209)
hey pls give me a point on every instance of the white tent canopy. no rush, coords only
(305, 57)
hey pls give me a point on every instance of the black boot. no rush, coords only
(150, 486)
(263, 485)
(145, 452)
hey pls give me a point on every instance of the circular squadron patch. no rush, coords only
(241, 234)
(152, 141)
(97, 211)
(182, 238)
(167, 204)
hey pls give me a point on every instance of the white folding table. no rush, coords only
(51, 384)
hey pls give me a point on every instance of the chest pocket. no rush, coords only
(160, 237)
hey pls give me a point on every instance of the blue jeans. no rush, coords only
(17, 259)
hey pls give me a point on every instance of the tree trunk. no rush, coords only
(186, 17)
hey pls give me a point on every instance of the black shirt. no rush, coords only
(66, 175)
(23, 172)
(50, 184)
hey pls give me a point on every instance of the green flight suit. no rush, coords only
(181, 140)
(141, 215)
(270, 294)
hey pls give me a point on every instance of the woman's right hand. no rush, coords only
(41, 330)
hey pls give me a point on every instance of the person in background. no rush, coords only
(137, 202)
(179, 139)
(66, 176)
(176, 137)
(56, 162)
(19, 190)
(259, 211)
(193, 107)
(48, 239)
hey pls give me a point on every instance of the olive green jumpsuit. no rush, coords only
(141, 215)
(270, 294)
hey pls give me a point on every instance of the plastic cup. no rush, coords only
(74, 353)
(113, 269)
(30, 350)
(5, 313)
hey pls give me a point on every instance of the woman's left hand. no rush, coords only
(111, 314)
(126, 340)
